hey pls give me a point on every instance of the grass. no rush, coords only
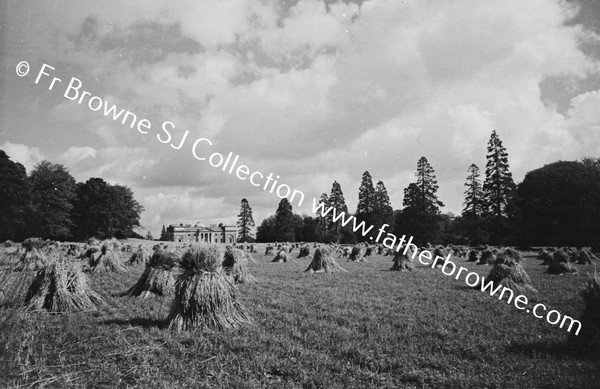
(367, 328)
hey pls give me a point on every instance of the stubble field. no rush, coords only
(369, 328)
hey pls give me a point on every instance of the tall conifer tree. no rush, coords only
(322, 225)
(245, 223)
(365, 210)
(337, 202)
(427, 202)
(421, 214)
(383, 207)
(474, 203)
(498, 188)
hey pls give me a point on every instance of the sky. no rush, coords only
(310, 91)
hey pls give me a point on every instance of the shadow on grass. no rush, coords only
(554, 349)
(137, 322)
(534, 349)
(469, 288)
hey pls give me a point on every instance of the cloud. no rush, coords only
(75, 155)
(583, 123)
(317, 92)
(25, 155)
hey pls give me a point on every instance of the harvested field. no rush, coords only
(365, 328)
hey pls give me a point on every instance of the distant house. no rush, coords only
(188, 233)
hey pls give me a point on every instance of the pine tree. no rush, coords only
(365, 209)
(322, 225)
(383, 211)
(498, 187)
(473, 204)
(245, 223)
(284, 222)
(421, 214)
(337, 202)
(412, 198)
(163, 233)
(427, 184)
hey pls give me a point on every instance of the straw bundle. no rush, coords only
(73, 250)
(32, 259)
(204, 295)
(572, 254)
(460, 252)
(139, 257)
(105, 261)
(234, 265)
(560, 263)
(509, 273)
(112, 244)
(472, 257)
(157, 279)
(323, 262)
(93, 242)
(586, 257)
(355, 254)
(33, 243)
(588, 339)
(269, 250)
(88, 251)
(304, 252)
(283, 256)
(249, 257)
(545, 256)
(487, 257)
(507, 255)
(402, 262)
(62, 287)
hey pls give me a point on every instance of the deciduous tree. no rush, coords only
(52, 198)
(14, 198)
(560, 205)
(284, 222)
(105, 211)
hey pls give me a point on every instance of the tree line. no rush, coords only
(557, 204)
(49, 203)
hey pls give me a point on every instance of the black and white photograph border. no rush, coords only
(300, 193)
